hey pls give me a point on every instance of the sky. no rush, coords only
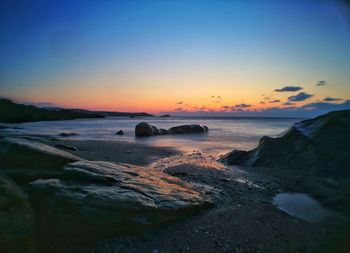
(258, 58)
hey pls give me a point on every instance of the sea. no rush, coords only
(225, 134)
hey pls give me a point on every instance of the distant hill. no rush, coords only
(11, 112)
(120, 114)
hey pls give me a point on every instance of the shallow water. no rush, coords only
(224, 134)
(301, 206)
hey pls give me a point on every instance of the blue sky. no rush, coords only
(149, 55)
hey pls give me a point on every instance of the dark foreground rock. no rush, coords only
(16, 219)
(145, 129)
(317, 146)
(71, 196)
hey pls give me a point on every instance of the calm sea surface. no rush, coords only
(224, 134)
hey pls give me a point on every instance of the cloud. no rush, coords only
(235, 108)
(262, 102)
(179, 109)
(243, 105)
(327, 106)
(302, 96)
(288, 103)
(289, 89)
(330, 99)
(321, 83)
(179, 103)
(306, 111)
(199, 108)
(274, 101)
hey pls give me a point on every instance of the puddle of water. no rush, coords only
(301, 206)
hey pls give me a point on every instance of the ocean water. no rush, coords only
(225, 134)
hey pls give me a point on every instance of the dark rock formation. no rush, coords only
(113, 197)
(165, 116)
(188, 129)
(319, 146)
(68, 134)
(163, 131)
(120, 132)
(145, 129)
(16, 219)
(67, 147)
(71, 196)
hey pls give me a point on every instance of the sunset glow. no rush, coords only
(165, 57)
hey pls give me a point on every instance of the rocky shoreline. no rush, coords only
(95, 198)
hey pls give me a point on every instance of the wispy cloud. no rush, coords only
(238, 107)
(321, 83)
(330, 99)
(179, 109)
(179, 103)
(289, 89)
(274, 101)
(302, 96)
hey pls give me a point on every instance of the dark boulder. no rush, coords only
(145, 129)
(188, 129)
(68, 134)
(163, 131)
(318, 146)
(120, 132)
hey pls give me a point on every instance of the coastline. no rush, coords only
(241, 217)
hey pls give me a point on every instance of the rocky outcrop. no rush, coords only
(319, 146)
(120, 132)
(188, 129)
(71, 196)
(16, 219)
(108, 197)
(145, 129)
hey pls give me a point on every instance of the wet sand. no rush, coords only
(115, 151)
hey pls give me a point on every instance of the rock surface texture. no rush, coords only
(316, 146)
(71, 196)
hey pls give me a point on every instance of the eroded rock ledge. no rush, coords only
(71, 195)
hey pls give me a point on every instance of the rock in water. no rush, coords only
(68, 134)
(188, 129)
(316, 146)
(145, 129)
(120, 132)
(163, 131)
